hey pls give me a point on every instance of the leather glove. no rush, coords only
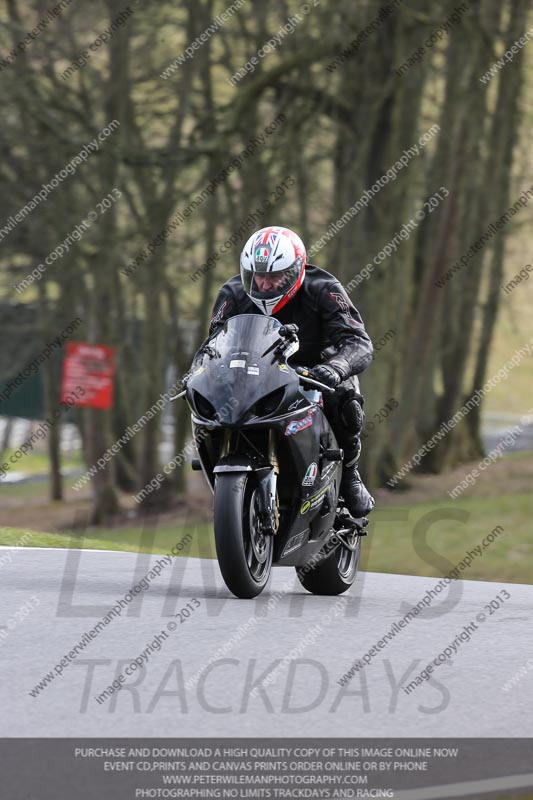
(325, 373)
(332, 372)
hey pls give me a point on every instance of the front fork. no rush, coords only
(267, 503)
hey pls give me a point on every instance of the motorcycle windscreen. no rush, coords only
(244, 380)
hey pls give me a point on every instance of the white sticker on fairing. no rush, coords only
(294, 543)
(237, 363)
(310, 475)
(253, 370)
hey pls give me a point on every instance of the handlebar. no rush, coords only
(289, 331)
(303, 373)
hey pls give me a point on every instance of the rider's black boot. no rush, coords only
(358, 499)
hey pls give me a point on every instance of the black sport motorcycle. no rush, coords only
(272, 461)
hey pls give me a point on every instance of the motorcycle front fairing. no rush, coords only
(236, 374)
(243, 385)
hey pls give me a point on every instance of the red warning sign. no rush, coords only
(91, 366)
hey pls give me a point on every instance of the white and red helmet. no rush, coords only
(272, 267)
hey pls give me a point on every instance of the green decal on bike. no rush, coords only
(314, 501)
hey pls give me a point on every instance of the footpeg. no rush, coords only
(345, 523)
(333, 455)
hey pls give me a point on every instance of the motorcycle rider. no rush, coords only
(275, 278)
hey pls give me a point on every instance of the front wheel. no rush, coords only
(244, 554)
(335, 574)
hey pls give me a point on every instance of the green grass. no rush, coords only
(425, 539)
(522, 797)
(512, 331)
(431, 541)
(31, 489)
(40, 463)
(132, 540)
(512, 797)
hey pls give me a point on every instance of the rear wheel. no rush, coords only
(335, 574)
(244, 554)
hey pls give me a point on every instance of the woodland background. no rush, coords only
(347, 118)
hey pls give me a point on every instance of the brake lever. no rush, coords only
(177, 396)
(303, 373)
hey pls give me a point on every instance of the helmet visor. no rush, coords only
(269, 285)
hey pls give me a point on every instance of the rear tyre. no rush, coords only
(244, 555)
(335, 574)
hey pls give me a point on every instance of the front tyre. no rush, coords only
(244, 554)
(335, 574)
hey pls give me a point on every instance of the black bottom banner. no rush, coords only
(127, 769)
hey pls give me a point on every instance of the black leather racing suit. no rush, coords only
(329, 327)
(322, 310)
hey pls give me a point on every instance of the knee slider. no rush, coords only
(352, 414)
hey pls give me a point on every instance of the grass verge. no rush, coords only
(426, 539)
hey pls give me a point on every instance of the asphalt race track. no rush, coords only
(50, 598)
